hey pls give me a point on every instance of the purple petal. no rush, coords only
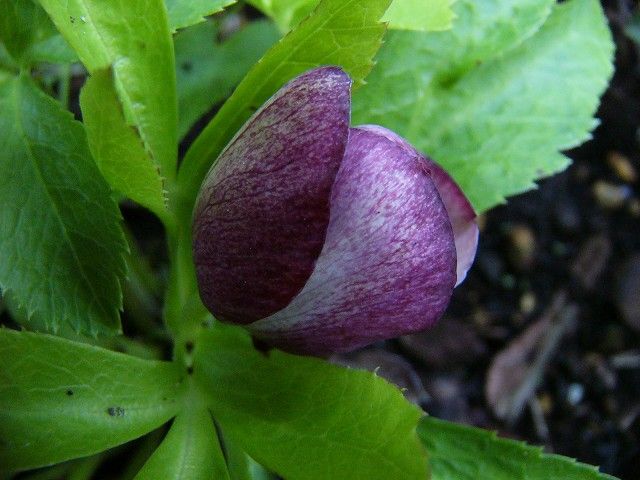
(461, 213)
(263, 210)
(388, 264)
(462, 217)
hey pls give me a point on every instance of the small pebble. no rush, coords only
(528, 302)
(575, 394)
(609, 195)
(522, 244)
(546, 403)
(622, 167)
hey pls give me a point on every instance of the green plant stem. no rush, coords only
(142, 289)
(184, 313)
(63, 88)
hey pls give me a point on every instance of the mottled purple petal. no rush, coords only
(388, 265)
(461, 213)
(462, 217)
(262, 213)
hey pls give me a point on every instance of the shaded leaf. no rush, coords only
(132, 38)
(29, 36)
(304, 418)
(459, 452)
(116, 147)
(207, 71)
(285, 13)
(183, 13)
(190, 451)
(63, 247)
(61, 400)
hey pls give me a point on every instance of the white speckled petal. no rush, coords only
(461, 213)
(388, 265)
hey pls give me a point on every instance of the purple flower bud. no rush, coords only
(321, 238)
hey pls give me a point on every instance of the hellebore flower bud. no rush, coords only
(322, 238)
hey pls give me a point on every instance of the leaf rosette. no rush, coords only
(319, 237)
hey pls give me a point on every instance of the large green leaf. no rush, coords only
(61, 400)
(117, 148)
(60, 234)
(183, 13)
(347, 33)
(207, 71)
(306, 419)
(190, 451)
(459, 452)
(423, 15)
(28, 34)
(133, 38)
(420, 15)
(494, 116)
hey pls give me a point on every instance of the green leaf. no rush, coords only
(55, 49)
(207, 71)
(285, 13)
(183, 13)
(22, 24)
(61, 400)
(133, 38)
(116, 147)
(459, 452)
(29, 36)
(347, 33)
(422, 15)
(493, 116)
(190, 451)
(60, 234)
(304, 418)
(418, 16)
(241, 466)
